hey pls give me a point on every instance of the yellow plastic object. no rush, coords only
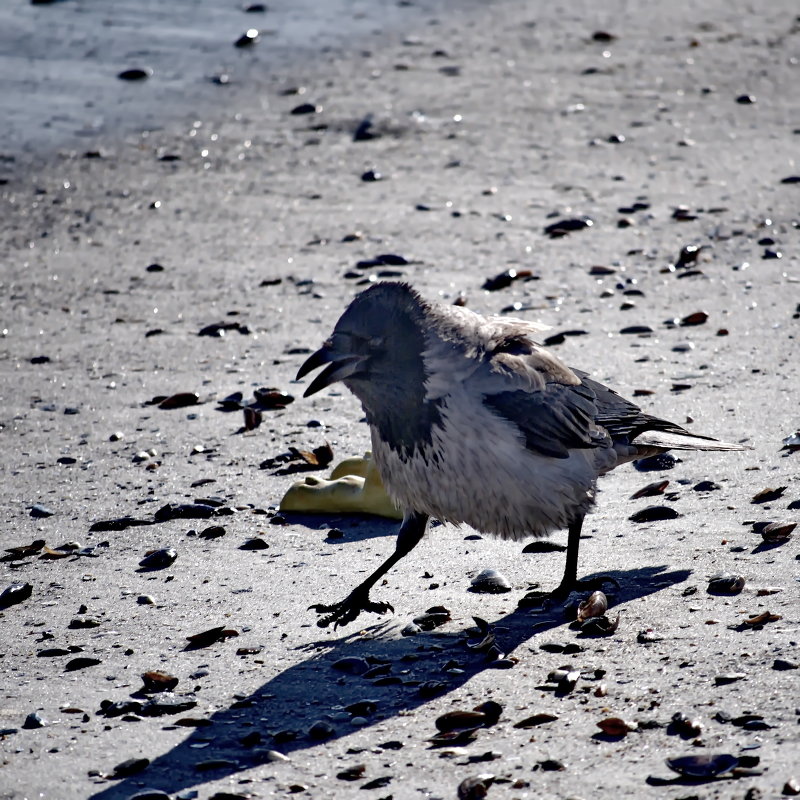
(354, 487)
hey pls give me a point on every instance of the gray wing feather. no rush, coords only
(553, 421)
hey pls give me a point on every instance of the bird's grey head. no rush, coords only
(376, 350)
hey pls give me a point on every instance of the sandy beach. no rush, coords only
(136, 214)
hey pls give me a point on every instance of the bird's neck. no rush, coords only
(394, 394)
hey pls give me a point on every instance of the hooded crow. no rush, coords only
(474, 422)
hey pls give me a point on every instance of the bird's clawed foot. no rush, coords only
(539, 599)
(348, 609)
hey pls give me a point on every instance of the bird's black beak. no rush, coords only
(340, 366)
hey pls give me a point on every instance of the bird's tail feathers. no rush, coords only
(676, 441)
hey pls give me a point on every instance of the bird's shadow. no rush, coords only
(279, 715)
(348, 528)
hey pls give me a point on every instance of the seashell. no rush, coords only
(457, 737)
(352, 665)
(659, 463)
(723, 583)
(648, 636)
(167, 703)
(132, 766)
(34, 720)
(158, 559)
(23, 550)
(354, 773)
(762, 619)
(636, 329)
(706, 486)
(565, 226)
(79, 623)
(536, 719)
(551, 765)
(432, 618)
(491, 709)
(654, 514)
(247, 39)
(651, 490)
(135, 74)
(460, 720)
(561, 647)
(49, 554)
(475, 788)
(775, 532)
(600, 626)
(214, 532)
(732, 677)
(40, 511)
(362, 708)
(791, 442)
(505, 279)
(703, 766)
(616, 726)
(158, 681)
(252, 418)
(182, 511)
(81, 662)
(321, 730)
(487, 633)
(696, 318)
(318, 457)
(179, 400)
(490, 581)
(15, 593)
(429, 689)
(768, 495)
(544, 547)
(305, 108)
(233, 402)
(209, 637)
(684, 725)
(255, 543)
(378, 671)
(594, 606)
(566, 679)
(791, 787)
(272, 398)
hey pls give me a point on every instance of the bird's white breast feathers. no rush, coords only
(476, 470)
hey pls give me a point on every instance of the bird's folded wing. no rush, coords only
(626, 422)
(552, 421)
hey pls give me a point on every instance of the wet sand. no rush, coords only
(492, 122)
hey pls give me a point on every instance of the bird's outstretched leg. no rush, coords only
(569, 583)
(409, 535)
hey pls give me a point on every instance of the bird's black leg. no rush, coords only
(570, 580)
(408, 537)
(569, 583)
